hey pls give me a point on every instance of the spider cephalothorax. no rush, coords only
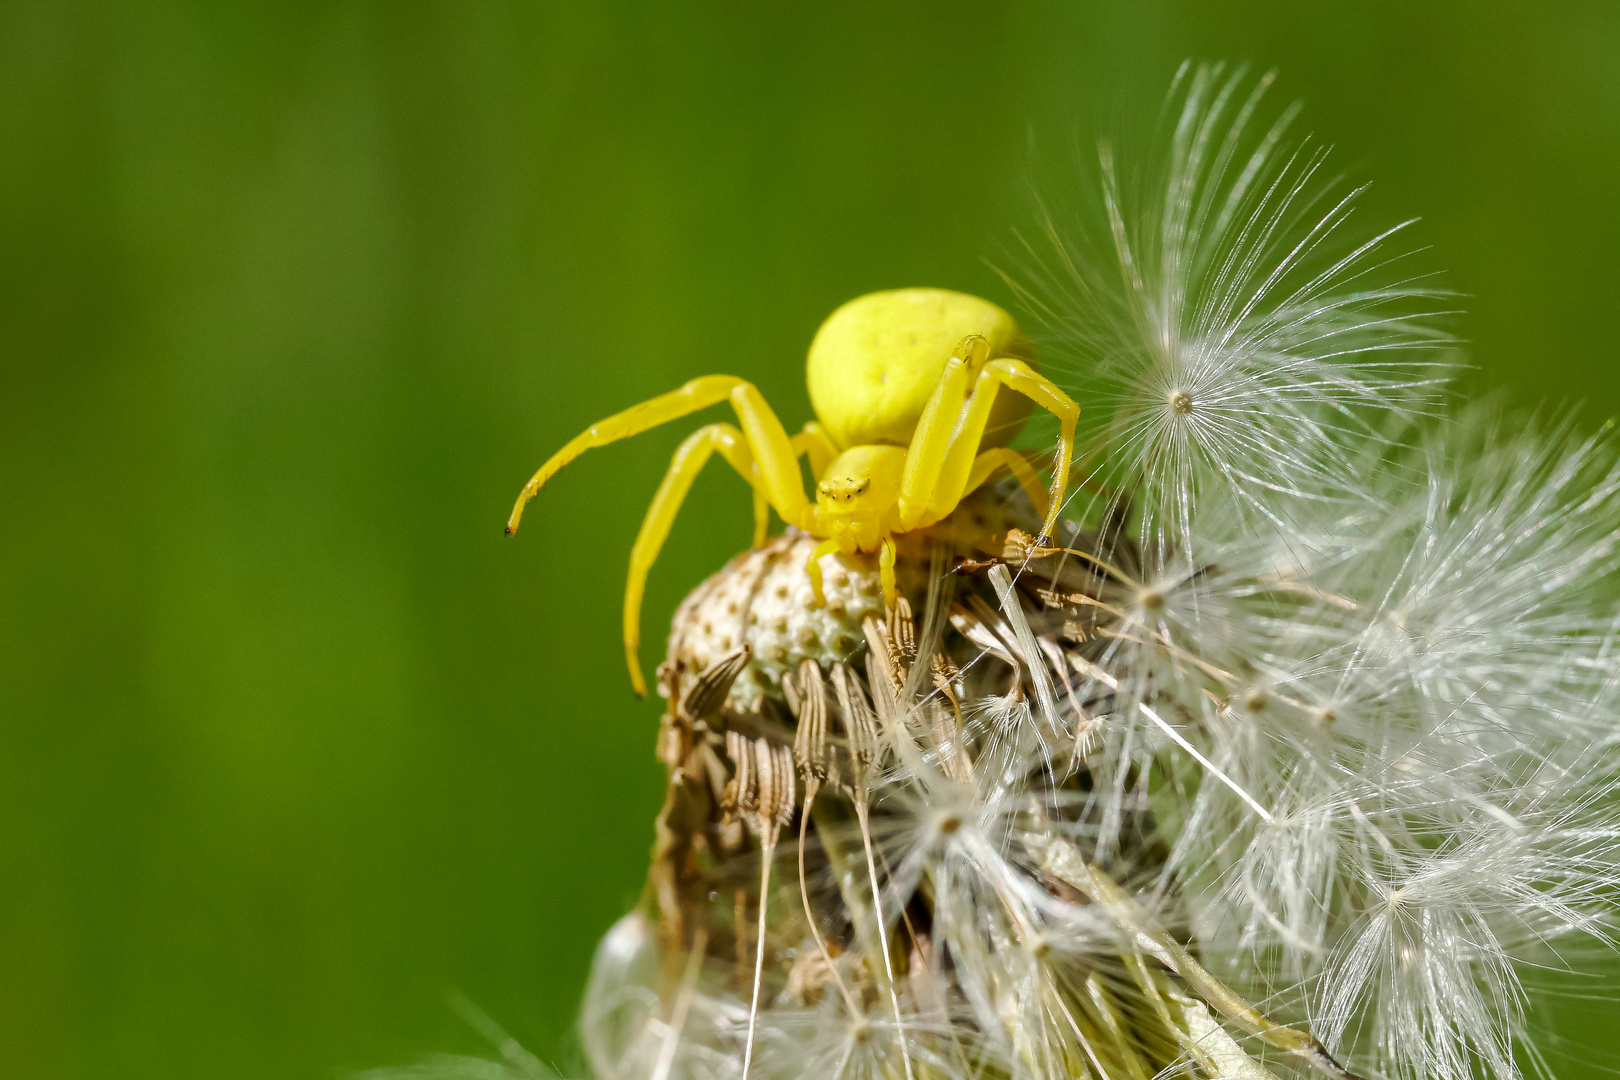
(905, 385)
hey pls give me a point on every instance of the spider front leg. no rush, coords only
(959, 465)
(775, 457)
(695, 395)
(931, 439)
(761, 452)
(812, 568)
(778, 464)
(688, 461)
(812, 440)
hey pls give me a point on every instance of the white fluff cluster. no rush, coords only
(1235, 336)
(1392, 627)
(1313, 706)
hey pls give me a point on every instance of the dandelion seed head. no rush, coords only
(1297, 743)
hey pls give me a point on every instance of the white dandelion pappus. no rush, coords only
(1231, 334)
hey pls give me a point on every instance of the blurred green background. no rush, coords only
(296, 295)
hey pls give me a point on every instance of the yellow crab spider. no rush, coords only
(904, 385)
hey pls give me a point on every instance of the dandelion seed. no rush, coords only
(1234, 334)
(815, 765)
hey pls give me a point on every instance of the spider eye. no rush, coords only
(843, 489)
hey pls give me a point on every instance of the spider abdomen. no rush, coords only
(876, 360)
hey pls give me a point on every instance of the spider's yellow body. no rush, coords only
(904, 385)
